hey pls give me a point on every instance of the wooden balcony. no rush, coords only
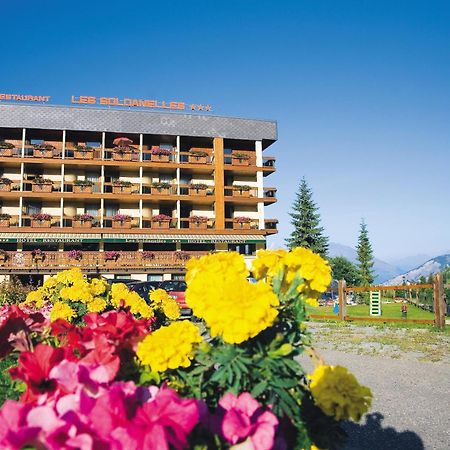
(94, 261)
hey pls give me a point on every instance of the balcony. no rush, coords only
(249, 194)
(94, 261)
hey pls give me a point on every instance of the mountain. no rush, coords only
(410, 262)
(432, 266)
(383, 270)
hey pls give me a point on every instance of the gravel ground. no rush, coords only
(411, 407)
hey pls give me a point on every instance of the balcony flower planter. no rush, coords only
(5, 220)
(122, 156)
(197, 157)
(5, 185)
(42, 185)
(121, 221)
(120, 189)
(38, 255)
(41, 223)
(6, 149)
(198, 222)
(82, 188)
(239, 161)
(76, 255)
(82, 221)
(198, 189)
(43, 151)
(3, 257)
(242, 223)
(83, 152)
(161, 222)
(111, 256)
(241, 191)
(159, 154)
(160, 188)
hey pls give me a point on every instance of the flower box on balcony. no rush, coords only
(242, 223)
(83, 152)
(38, 255)
(120, 189)
(121, 221)
(82, 189)
(117, 156)
(35, 223)
(241, 191)
(82, 221)
(198, 222)
(3, 256)
(111, 256)
(198, 157)
(161, 221)
(198, 189)
(6, 149)
(160, 188)
(5, 220)
(240, 159)
(42, 185)
(160, 154)
(43, 151)
(5, 184)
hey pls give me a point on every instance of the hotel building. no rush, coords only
(129, 193)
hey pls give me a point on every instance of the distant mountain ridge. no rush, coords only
(430, 267)
(383, 270)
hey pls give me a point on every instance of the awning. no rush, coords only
(50, 237)
(124, 238)
(185, 238)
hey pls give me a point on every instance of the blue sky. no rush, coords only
(360, 90)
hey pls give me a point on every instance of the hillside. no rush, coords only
(430, 267)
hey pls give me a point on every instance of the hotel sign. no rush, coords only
(139, 103)
(24, 98)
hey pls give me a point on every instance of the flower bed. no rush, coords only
(108, 370)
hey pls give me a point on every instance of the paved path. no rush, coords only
(411, 408)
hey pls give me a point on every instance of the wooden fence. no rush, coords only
(439, 304)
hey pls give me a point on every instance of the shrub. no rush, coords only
(160, 151)
(240, 155)
(83, 183)
(198, 153)
(41, 180)
(121, 218)
(161, 218)
(198, 219)
(41, 216)
(6, 145)
(198, 186)
(122, 183)
(13, 292)
(5, 181)
(242, 219)
(83, 217)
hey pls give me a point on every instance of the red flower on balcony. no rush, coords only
(160, 151)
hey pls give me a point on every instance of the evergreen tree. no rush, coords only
(306, 221)
(365, 257)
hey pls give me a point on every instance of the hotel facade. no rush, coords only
(129, 193)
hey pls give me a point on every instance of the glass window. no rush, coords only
(154, 277)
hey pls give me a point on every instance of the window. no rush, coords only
(33, 208)
(243, 249)
(154, 277)
(178, 277)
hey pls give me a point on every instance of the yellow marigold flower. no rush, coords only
(79, 292)
(158, 296)
(267, 263)
(50, 283)
(169, 347)
(225, 263)
(311, 267)
(338, 394)
(61, 310)
(232, 307)
(118, 292)
(98, 286)
(170, 308)
(35, 297)
(97, 305)
(71, 276)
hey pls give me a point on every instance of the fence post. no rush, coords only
(438, 300)
(342, 300)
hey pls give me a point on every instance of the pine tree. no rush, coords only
(365, 257)
(306, 221)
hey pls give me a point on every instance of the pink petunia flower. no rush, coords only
(246, 421)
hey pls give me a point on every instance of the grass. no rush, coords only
(388, 310)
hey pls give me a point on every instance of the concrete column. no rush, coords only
(24, 131)
(103, 144)
(102, 211)
(260, 184)
(61, 224)
(140, 212)
(22, 174)
(141, 146)
(20, 210)
(64, 145)
(178, 149)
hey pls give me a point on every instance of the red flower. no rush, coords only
(34, 369)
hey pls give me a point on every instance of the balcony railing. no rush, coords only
(252, 224)
(237, 191)
(93, 261)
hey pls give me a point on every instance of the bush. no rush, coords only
(13, 292)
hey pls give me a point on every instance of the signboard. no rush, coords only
(139, 103)
(24, 98)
